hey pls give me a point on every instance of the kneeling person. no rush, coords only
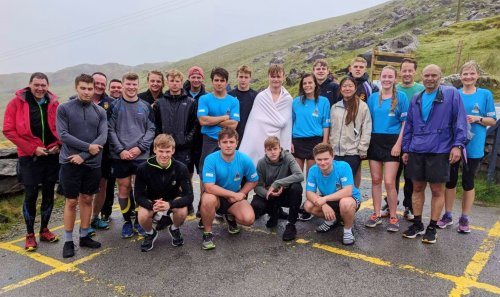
(338, 197)
(279, 186)
(222, 174)
(162, 189)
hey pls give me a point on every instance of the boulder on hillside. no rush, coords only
(313, 56)
(293, 77)
(417, 31)
(405, 43)
(360, 43)
(447, 23)
(277, 60)
(484, 81)
(8, 153)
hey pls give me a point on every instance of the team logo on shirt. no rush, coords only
(476, 108)
(491, 114)
(237, 176)
(105, 105)
(201, 110)
(343, 179)
(310, 184)
(392, 113)
(209, 174)
(254, 175)
(315, 112)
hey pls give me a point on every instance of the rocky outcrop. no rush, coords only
(405, 43)
(9, 183)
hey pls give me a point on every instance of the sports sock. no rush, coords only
(433, 224)
(330, 223)
(465, 217)
(346, 230)
(84, 232)
(448, 214)
(417, 220)
(174, 227)
(125, 208)
(150, 232)
(68, 236)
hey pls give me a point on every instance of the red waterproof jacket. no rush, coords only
(16, 124)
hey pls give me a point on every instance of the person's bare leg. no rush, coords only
(390, 171)
(437, 202)
(85, 202)
(243, 213)
(209, 204)
(418, 197)
(376, 174)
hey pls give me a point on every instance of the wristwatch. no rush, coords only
(480, 119)
(459, 146)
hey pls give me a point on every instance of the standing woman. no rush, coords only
(311, 121)
(480, 111)
(388, 109)
(350, 132)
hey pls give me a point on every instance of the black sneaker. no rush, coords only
(282, 214)
(177, 239)
(232, 226)
(68, 249)
(414, 230)
(87, 241)
(290, 232)
(149, 240)
(305, 216)
(272, 222)
(430, 235)
(164, 222)
(200, 224)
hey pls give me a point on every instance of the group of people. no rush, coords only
(268, 142)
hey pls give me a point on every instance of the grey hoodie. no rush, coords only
(282, 173)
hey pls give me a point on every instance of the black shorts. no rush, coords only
(224, 205)
(433, 168)
(381, 146)
(184, 156)
(32, 171)
(469, 170)
(76, 179)
(303, 147)
(210, 145)
(336, 207)
(353, 161)
(124, 168)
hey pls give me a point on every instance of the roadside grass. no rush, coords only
(11, 207)
(487, 194)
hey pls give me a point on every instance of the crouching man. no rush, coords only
(278, 186)
(223, 172)
(163, 190)
(330, 190)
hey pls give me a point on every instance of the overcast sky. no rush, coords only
(48, 35)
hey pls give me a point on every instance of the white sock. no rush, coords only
(347, 230)
(150, 232)
(329, 223)
(174, 227)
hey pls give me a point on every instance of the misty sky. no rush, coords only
(48, 35)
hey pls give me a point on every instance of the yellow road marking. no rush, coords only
(33, 255)
(478, 261)
(62, 267)
(349, 254)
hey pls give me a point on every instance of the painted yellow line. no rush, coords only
(63, 267)
(33, 255)
(478, 261)
(349, 254)
(366, 204)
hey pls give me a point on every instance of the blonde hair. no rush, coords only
(164, 141)
(470, 65)
(359, 59)
(244, 69)
(394, 98)
(174, 73)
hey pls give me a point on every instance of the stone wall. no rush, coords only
(8, 175)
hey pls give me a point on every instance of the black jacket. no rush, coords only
(153, 182)
(176, 115)
(330, 90)
(198, 137)
(147, 96)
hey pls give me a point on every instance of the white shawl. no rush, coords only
(268, 119)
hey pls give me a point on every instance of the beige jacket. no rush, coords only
(353, 139)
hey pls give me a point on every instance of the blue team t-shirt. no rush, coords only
(209, 105)
(340, 177)
(228, 174)
(309, 118)
(426, 103)
(384, 120)
(478, 104)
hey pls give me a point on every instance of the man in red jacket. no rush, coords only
(30, 123)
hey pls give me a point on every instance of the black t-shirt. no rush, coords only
(246, 99)
(39, 123)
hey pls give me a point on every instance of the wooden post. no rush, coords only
(459, 8)
(459, 55)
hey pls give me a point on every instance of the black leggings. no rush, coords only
(468, 174)
(29, 205)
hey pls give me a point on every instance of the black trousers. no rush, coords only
(290, 197)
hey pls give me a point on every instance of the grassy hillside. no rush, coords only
(339, 39)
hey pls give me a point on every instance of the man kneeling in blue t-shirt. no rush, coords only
(222, 174)
(337, 197)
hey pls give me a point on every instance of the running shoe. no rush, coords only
(127, 230)
(46, 235)
(290, 232)
(68, 249)
(97, 223)
(385, 209)
(176, 235)
(430, 235)
(393, 225)
(106, 218)
(208, 241)
(445, 221)
(414, 230)
(87, 241)
(324, 227)
(30, 244)
(348, 238)
(91, 231)
(463, 225)
(304, 216)
(408, 214)
(232, 226)
(200, 224)
(149, 240)
(138, 229)
(373, 221)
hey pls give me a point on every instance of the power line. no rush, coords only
(98, 28)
